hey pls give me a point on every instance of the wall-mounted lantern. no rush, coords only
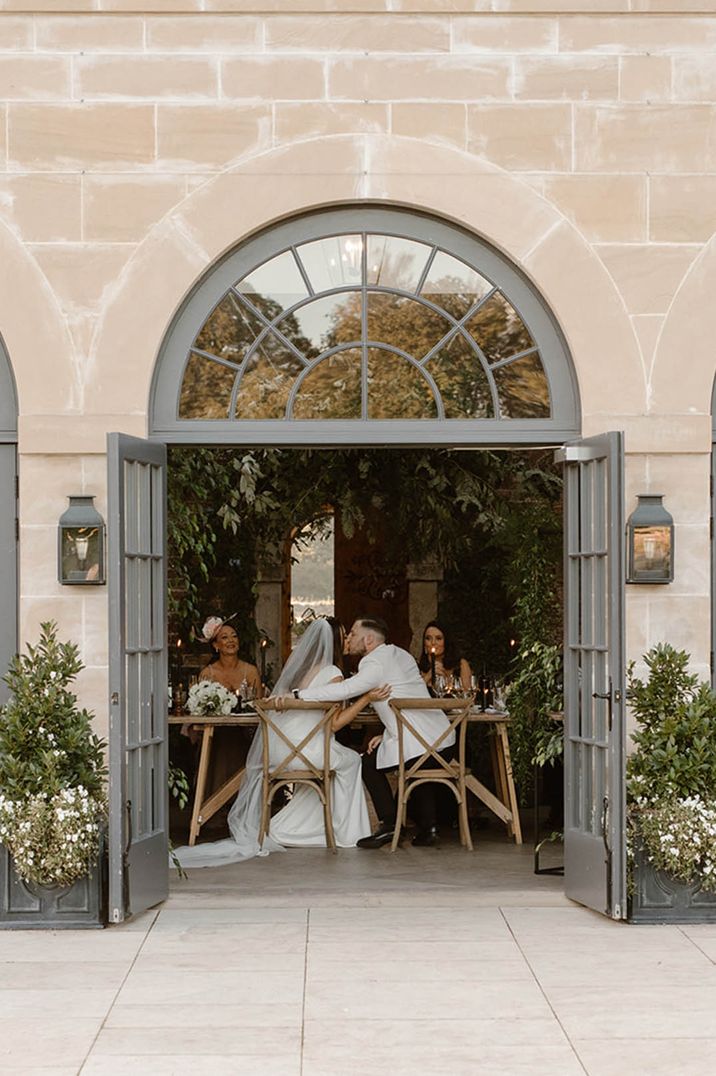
(650, 542)
(80, 544)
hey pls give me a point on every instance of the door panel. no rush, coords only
(138, 865)
(8, 562)
(594, 740)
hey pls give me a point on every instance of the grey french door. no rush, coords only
(594, 731)
(8, 561)
(138, 837)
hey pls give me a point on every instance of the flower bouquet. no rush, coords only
(208, 697)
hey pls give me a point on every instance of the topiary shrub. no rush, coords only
(52, 767)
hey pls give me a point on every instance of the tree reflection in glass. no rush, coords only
(461, 380)
(364, 294)
(267, 380)
(206, 389)
(327, 321)
(397, 388)
(404, 323)
(332, 389)
(522, 389)
(229, 331)
(453, 285)
(498, 330)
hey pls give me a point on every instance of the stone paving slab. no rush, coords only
(306, 964)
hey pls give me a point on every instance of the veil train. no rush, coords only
(313, 652)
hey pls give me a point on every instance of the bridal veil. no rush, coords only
(313, 652)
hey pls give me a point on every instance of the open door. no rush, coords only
(594, 726)
(8, 561)
(138, 834)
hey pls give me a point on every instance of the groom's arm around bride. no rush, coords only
(382, 663)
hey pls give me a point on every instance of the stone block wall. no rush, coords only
(117, 115)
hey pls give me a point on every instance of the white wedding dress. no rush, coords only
(300, 823)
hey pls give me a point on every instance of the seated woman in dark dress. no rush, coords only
(448, 662)
(230, 745)
(226, 667)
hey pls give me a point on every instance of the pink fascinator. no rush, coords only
(212, 625)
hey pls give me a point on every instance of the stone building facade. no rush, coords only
(141, 141)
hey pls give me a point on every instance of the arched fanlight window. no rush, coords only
(404, 319)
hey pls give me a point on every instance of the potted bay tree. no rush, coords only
(52, 795)
(671, 790)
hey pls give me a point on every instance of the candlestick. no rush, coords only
(264, 644)
(432, 665)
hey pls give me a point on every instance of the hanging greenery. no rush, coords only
(536, 691)
(491, 519)
(209, 567)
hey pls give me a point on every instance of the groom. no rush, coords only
(382, 663)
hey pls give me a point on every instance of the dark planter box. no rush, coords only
(27, 906)
(659, 898)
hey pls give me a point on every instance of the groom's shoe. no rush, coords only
(383, 835)
(427, 838)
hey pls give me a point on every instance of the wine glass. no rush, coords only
(440, 686)
(498, 695)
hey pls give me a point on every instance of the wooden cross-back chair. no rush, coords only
(414, 772)
(304, 772)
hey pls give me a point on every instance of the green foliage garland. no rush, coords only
(536, 691)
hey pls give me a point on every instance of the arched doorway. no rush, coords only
(368, 325)
(8, 515)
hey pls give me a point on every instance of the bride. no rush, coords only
(313, 663)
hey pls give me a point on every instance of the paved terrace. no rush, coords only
(431, 961)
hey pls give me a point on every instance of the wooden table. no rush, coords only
(504, 804)
(204, 809)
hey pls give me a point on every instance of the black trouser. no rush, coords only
(421, 804)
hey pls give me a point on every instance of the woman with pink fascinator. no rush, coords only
(226, 667)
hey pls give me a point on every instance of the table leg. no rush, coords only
(510, 783)
(488, 798)
(499, 773)
(503, 792)
(204, 756)
(219, 798)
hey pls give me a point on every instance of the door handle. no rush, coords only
(605, 817)
(610, 697)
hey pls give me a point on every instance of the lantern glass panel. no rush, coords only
(81, 555)
(652, 550)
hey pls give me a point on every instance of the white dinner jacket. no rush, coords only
(391, 665)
